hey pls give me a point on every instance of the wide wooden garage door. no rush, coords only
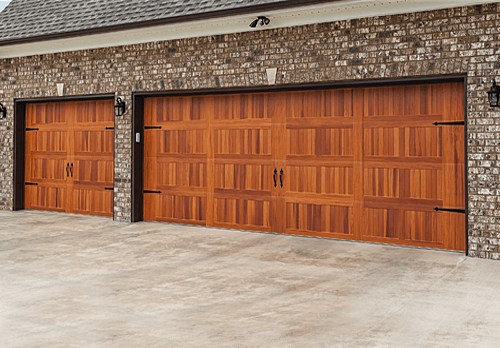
(69, 157)
(382, 164)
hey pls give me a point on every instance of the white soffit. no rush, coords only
(236, 24)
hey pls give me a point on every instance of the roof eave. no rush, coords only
(173, 20)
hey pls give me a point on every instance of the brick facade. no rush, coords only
(454, 41)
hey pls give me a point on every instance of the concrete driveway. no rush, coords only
(73, 281)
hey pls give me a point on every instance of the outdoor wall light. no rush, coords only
(263, 21)
(494, 95)
(119, 107)
(3, 111)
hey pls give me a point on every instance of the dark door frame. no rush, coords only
(20, 138)
(138, 122)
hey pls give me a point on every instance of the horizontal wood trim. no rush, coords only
(243, 159)
(319, 122)
(183, 190)
(179, 156)
(245, 194)
(403, 163)
(178, 125)
(319, 200)
(393, 122)
(329, 162)
(235, 227)
(237, 159)
(326, 235)
(248, 123)
(401, 203)
(181, 221)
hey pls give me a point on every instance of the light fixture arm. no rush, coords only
(263, 21)
(3, 111)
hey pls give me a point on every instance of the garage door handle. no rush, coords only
(281, 177)
(67, 170)
(71, 169)
(274, 176)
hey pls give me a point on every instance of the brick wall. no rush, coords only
(454, 41)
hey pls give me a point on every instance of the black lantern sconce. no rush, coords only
(494, 95)
(119, 107)
(3, 111)
(263, 21)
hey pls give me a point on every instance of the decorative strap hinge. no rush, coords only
(454, 123)
(459, 211)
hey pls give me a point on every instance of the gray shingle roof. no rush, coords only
(25, 19)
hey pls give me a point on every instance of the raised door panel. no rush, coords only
(319, 163)
(92, 161)
(177, 142)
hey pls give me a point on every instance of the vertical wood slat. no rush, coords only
(359, 108)
(279, 104)
(209, 107)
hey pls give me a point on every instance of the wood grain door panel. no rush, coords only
(319, 157)
(175, 160)
(210, 162)
(46, 157)
(365, 163)
(411, 166)
(69, 155)
(243, 163)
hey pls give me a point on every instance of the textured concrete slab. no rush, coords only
(74, 281)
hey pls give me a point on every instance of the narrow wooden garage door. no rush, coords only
(69, 157)
(382, 164)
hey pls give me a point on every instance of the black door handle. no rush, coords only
(67, 169)
(274, 176)
(71, 169)
(281, 177)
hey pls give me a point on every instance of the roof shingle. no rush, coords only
(24, 19)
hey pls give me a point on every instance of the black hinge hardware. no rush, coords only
(110, 128)
(454, 123)
(148, 191)
(459, 211)
(152, 127)
(31, 184)
(31, 129)
(109, 188)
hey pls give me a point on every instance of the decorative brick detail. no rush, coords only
(463, 40)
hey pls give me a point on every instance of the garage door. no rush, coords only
(382, 164)
(69, 157)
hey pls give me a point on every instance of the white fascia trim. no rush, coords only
(322, 13)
